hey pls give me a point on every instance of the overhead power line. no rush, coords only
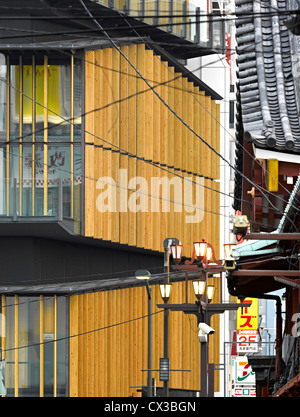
(223, 127)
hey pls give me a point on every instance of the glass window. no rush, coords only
(48, 346)
(62, 347)
(9, 353)
(3, 99)
(32, 80)
(29, 350)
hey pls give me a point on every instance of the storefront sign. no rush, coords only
(247, 325)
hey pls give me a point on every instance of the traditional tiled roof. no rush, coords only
(266, 61)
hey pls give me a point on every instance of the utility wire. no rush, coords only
(251, 155)
(118, 149)
(175, 114)
(60, 339)
(122, 151)
(237, 143)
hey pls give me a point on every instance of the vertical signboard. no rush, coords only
(247, 327)
(243, 378)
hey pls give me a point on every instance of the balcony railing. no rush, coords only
(178, 17)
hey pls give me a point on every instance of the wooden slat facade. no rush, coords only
(109, 356)
(121, 110)
(124, 115)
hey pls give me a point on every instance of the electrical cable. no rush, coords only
(151, 88)
(72, 336)
(123, 151)
(237, 143)
(119, 150)
(174, 113)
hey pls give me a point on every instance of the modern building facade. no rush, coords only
(109, 145)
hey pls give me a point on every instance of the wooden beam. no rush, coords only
(265, 273)
(272, 236)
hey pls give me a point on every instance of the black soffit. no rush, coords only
(58, 231)
(60, 33)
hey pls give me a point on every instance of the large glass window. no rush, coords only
(34, 346)
(44, 97)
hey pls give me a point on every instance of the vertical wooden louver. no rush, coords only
(129, 128)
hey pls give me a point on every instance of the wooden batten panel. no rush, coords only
(185, 160)
(171, 119)
(196, 141)
(99, 108)
(141, 191)
(111, 359)
(218, 139)
(123, 343)
(107, 118)
(132, 140)
(124, 145)
(164, 133)
(74, 348)
(177, 85)
(132, 123)
(185, 166)
(201, 132)
(90, 344)
(196, 228)
(149, 139)
(191, 140)
(97, 336)
(190, 121)
(214, 137)
(156, 109)
(102, 343)
(177, 193)
(164, 112)
(84, 346)
(115, 140)
(207, 137)
(156, 144)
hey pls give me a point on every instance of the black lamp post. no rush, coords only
(145, 275)
(203, 253)
(168, 243)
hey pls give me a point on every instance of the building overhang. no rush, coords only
(62, 26)
(57, 230)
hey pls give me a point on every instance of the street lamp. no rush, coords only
(165, 291)
(145, 275)
(199, 288)
(168, 243)
(210, 292)
(200, 249)
(176, 251)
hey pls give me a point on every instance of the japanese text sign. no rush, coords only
(247, 317)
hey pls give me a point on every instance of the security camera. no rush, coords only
(206, 329)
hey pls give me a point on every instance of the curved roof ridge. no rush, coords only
(289, 141)
(268, 94)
